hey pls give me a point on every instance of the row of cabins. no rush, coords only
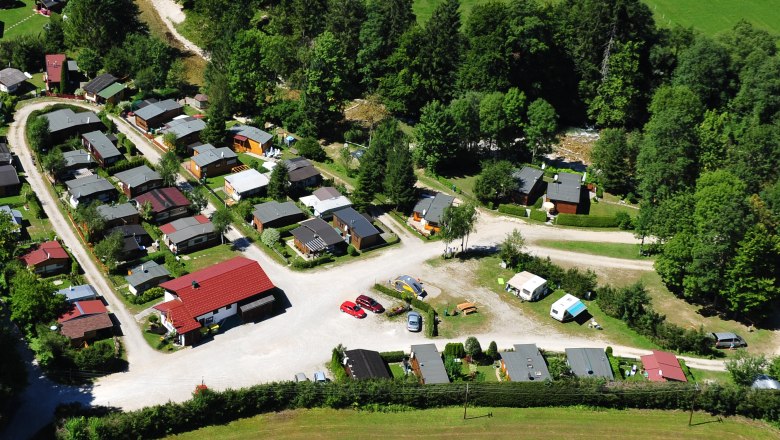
(525, 363)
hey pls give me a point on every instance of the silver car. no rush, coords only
(301, 377)
(413, 322)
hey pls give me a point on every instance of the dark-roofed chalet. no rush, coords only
(301, 173)
(157, 113)
(6, 157)
(589, 362)
(275, 215)
(250, 139)
(315, 236)
(525, 364)
(427, 364)
(92, 88)
(11, 79)
(119, 215)
(167, 203)
(55, 71)
(135, 239)
(355, 228)
(429, 210)
(9, 180)
(211, 162)
(187, 130)
(49, 257)
(189, 234)
(145, 276)
(530, 185)
(237, 286)
(102, 149)
(365, 364)
(76, 160)
(566, 193)
(65, 123)
(89, 189)
(138, 180)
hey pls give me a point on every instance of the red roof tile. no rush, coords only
(661, 366)
(176, 313)
(218, 286)
(54, 65)
(170, 228)
(45, 252)
(163, 199)
(83, 308)
(76, 328)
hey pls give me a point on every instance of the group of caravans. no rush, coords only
(530, 287)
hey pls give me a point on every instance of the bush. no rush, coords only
(148, 295)
(311, 149)
(455, 349)
(336, 365)
(300, 263)
(124, 165)
(270, 237)
(538, 203)
(473, 347)
(625, 222)
(175, 267)
(538, 215)
(352, 251)
(599, 192)
(393, 356)
(586, 221)
(100, 356)
(492, 351)
(512, 210)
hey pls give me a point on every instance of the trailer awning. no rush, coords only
(576, 308)
(256, 304)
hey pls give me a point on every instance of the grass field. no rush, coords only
(21, 20)
(505, 423)
(614, 250)
(712, 17)
(208, 257)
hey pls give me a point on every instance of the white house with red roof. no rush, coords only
(235, 287)
(49, 257)
(662, 366)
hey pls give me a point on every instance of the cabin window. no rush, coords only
(555, 311)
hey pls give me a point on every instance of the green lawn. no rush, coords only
(21, 20)
(614, 250)
(208, 257)
(505, 423)
(716, 16)
(610, 209)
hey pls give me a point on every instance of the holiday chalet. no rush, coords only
(235, 287)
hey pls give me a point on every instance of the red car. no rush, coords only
(353, 309)
(369, 303)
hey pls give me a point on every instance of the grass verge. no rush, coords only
(615, 250)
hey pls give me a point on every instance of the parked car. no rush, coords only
(413, 321)
(369, 303)
(300, 377)
(728, 340)
(353, 309)
(319, 376)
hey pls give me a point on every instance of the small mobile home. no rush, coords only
(527, 286)
(567, 308)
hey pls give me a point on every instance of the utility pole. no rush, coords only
(693, 402)
(466, 403)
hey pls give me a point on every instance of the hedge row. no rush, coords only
(430, 322)
(393, 356)
(212, 408)
(587, 221)
(513, 210)
(538, 215)
(124, 165)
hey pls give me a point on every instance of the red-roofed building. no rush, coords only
(80, 309)
(235, 287)
(55, 71)
(48, 258)
(662, 366)
(167, 203)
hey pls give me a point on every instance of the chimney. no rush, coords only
(555, 179)
(195, 284)
(142, 268)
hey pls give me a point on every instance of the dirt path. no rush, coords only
(171, 14)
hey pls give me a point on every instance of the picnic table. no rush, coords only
(467, 308)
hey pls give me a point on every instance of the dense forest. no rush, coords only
(690, 124)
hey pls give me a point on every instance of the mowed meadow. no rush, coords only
(711, 17)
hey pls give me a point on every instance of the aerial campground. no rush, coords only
(360, 219)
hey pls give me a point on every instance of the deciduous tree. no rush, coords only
(495, 183)
(109, 250)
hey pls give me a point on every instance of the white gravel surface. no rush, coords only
(301, 338)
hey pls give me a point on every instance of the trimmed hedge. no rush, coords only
(512, 210)
(538, 215)
(124, 165)
(587, 221)
(212, 408)
(430, 321)
(392, 356)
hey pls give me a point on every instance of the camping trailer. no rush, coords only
(567, 308)
(527, 286)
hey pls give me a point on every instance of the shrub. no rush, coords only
(512, 210)
(538, 215)
(124, 165)
(393, 356)
(336, 365)
(492, 351)
(148, 295)
(175, 267)
(352, 251)
(472, 346)
(586, 221)
(625, 222)
(455, 349)
(270, 237)
(300, 263)
(599, 192)
(538, 203)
